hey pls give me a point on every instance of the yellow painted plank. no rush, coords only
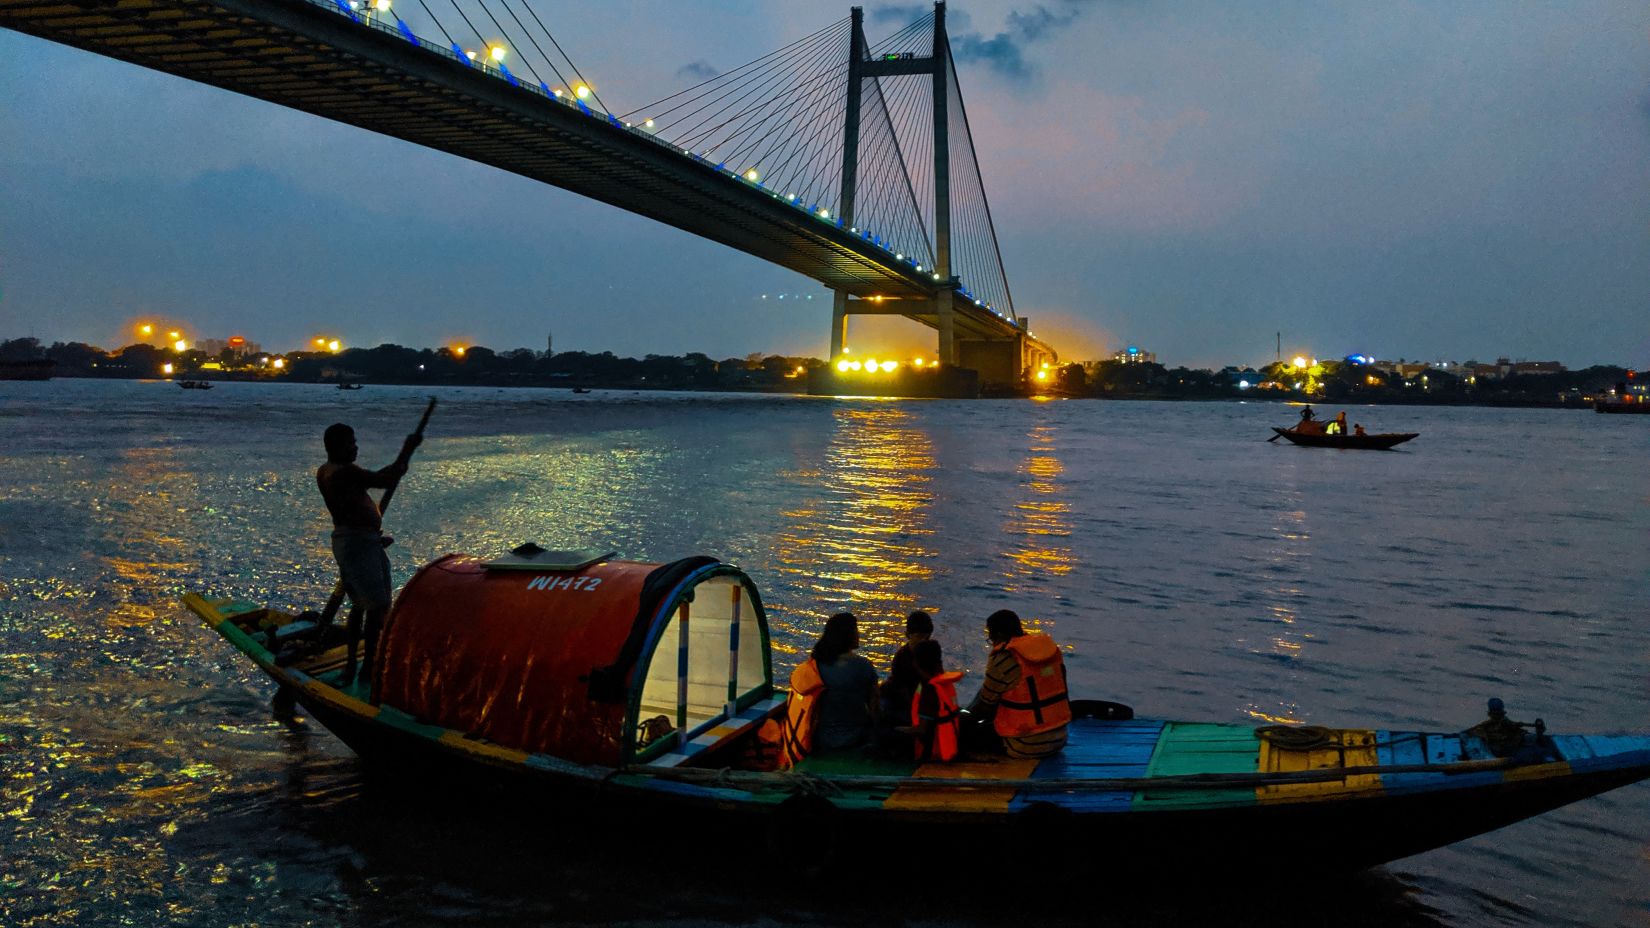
(1351, 747)
(337, 698)
(1536, 772)
(940, 799)
(494, 751)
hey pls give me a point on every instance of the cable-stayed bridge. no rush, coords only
(850, 163)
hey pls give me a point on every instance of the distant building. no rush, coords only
(1133, 355)
(1505, 368)
(237, 344)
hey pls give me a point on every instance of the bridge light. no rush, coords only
(871, 364)
(752, 175)
(853, 365)
(791, 197)
(919, 267)
(843, 366)
(889, 365)
(899, 257)
(582, 92)
(469, 54)
(382, 6)
(916, 362)
(498, 52)
(824, 214)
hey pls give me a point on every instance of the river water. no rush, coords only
(1196, 570)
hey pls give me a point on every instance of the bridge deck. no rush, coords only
(314, 58)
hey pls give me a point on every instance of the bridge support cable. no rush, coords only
(984, 271)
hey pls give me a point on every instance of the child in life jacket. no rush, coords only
(934, 711)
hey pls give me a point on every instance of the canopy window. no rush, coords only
(708, 663)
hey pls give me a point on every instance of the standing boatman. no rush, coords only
(358, 540)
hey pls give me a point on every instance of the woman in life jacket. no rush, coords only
(935, 716)
(833, 701)
(1022, 708)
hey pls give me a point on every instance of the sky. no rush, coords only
(1434, 181)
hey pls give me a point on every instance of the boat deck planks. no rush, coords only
(1351, 748)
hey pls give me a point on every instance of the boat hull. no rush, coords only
(1322, 836)
(1381, 442)
(1133, 795)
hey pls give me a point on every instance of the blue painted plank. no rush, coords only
(1097, 750)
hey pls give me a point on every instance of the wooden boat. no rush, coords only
(635, 693)
(1376, 442)
(195, 384)
(349, 386)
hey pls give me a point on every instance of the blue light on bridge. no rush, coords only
(459, 52)
(546, 88)
(507, 75)
(406, 31)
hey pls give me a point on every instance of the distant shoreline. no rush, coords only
(800, 389)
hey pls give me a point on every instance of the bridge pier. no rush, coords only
(839, 325)
(945, 314)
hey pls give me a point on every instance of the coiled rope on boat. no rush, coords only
(1298, 737)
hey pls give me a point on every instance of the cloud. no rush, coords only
(700, 70)
(1003, 52)
(899, 14)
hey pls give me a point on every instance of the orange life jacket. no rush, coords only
(942, 745)
(1038, 702)
(797, 739)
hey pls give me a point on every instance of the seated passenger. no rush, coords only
(1021, 709)
(1358, 429)
(934, 713)
(903, 678)
(847, 709)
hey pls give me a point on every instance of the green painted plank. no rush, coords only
(1187, 748)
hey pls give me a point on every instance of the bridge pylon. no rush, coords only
(998, 352)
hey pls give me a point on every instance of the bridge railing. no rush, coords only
(571, 100)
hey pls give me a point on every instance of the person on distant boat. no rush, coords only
(358, 541)
(1358, 430)
(845, 713)
(1309, 424)
(934, 715)
(1340, 423)
(1022, 709)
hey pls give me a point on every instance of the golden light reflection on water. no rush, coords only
(859, 546)
(1290, 635)
(1040, 519)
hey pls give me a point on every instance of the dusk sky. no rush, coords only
(1460, 180)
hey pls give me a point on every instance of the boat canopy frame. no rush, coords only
(674, 613)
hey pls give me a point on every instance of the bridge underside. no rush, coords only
(311, 57)
(314, 59)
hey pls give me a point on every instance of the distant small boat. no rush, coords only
(27, 370)
(1622, 406)
(1380, 442)
(195, 384)
(349, 386)
(581, 389)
